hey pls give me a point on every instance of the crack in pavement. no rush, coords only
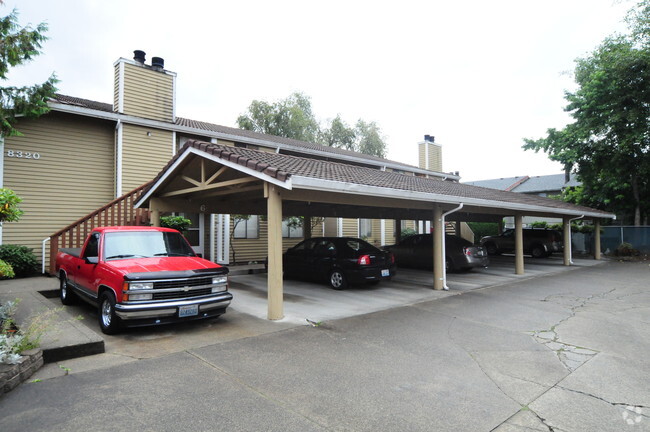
(627, 406)
(571, 356)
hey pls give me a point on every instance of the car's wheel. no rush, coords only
(491, 249)
(538, 251)
(65, 292)
(109, 322)
(338, 280)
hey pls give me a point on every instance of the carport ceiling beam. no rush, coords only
(204, 187)
(232, 191)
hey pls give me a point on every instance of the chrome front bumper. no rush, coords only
(170, 308)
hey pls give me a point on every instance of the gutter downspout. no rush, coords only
(444, 246)
(43, 254)
(570, 248)
(118, 159)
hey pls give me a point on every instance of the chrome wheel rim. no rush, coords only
(64, 288)
(106, 313)
(336, 279)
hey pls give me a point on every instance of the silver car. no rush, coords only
(417, 251)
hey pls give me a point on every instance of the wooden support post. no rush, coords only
(274, 276)
(398, 230)
(597, 239)
(154, 207)
(519, 245)
(306, 227)
(566, 223)
(438, 253)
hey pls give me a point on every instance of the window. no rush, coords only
(365, 228)
(92, 248)
(247, 228)
(290, 230)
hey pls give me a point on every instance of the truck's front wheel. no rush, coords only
(109, 322)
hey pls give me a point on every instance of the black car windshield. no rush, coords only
(139, 244)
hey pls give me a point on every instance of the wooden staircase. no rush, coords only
(120, 211)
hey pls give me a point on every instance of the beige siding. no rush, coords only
(255, 250)
(375, 238)
(435, 156)
(148, 93)
(390, 231)
(350, 227)
(422, 156)
(116, 88)
(331, 227)
(143, 155)
(73, 176)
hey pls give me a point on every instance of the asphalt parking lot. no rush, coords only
(564, 351)
(303, 301)
(316, 302)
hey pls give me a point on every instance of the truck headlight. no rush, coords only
(219, 280)
(219, 283)
(140, 286)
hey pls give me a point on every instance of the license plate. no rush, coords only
(385, 273)
(190, 310)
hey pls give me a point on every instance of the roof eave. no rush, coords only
(310, 183)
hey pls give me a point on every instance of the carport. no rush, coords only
(213, 178)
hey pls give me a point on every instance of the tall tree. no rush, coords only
(293, 118)
(608, 143)
(370, 140)
(18, 45)
(290, 118)
(339, 134)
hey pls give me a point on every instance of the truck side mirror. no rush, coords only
(91, 260)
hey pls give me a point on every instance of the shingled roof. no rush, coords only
(285, 167)
(246, 135)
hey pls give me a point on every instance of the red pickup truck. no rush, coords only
(141, 276)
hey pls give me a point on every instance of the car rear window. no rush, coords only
(360, 246)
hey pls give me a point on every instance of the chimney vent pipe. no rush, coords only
(139, 56)
(158, 63)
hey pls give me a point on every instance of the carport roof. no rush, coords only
(293, 172)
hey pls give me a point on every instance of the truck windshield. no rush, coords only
(144, 244)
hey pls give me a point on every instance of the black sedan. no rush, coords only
(339, 260)
(417, 251)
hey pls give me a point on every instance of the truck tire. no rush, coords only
(492, 249)
(109, 322)
(67, 296)
(538, 251)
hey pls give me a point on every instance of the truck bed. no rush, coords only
(75, 252)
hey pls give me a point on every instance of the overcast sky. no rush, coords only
(478, 75)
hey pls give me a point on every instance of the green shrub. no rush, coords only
(20, 258)
(482, 229)
(9, 211)
(6, 270)
(626, 249)
(407, 232)
(178, 223)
